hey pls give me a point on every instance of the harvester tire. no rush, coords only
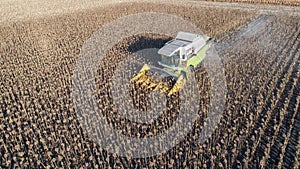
(192, 69)
(201, 65)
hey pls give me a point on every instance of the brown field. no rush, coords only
(272, 2)
(259, 127)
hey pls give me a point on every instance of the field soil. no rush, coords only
(273, 2)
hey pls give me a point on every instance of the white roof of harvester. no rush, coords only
(185, 36)
(171, 46)
(182, 39)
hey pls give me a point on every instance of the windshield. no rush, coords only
(170, 60)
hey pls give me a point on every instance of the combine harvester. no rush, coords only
(179, 58)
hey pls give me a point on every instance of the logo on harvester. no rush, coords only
(148, 85)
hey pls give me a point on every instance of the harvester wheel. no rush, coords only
(202, 65)
(192, 69)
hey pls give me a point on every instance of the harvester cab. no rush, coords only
(179, 57)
